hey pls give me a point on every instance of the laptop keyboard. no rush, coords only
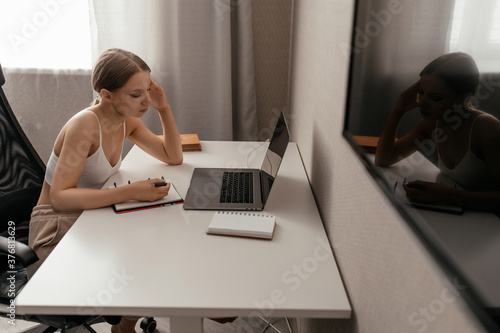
(237, 187)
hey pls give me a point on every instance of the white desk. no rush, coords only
(160, 262)
(471, 240)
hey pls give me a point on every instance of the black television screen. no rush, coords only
(393, 42)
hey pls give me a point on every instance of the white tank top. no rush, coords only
(97, 167)
(471, 173)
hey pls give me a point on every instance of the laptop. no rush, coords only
(240, 188)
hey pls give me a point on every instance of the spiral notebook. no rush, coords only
(242, 224)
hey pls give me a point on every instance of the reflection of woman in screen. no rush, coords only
(467, 140)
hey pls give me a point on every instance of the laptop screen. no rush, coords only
(274, 155)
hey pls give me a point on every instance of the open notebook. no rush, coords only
(172, 198)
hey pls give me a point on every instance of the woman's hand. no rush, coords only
(408, 99)
(390, 149)
(157, 95)
(145, 190)
(427, 192)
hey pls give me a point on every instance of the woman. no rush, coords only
(88, 151)
(467, 140)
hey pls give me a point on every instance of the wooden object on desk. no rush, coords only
(368, 143)
(190, 142)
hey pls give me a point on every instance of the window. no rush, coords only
(495, 28)
(457, 22)
(51, 34)
(476, 30)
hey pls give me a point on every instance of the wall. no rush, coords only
(392, 283)
(271, 22)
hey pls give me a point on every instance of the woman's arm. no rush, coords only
(64, 194)
(483, 201)
(167, 148)
(391, 150)
(439, 193)
(77, 199)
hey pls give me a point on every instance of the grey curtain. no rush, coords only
(200, 52)
(392, 45)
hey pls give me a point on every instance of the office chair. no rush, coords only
(21, 177)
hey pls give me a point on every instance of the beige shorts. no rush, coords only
(46, 230)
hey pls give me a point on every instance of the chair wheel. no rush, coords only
(148, 325)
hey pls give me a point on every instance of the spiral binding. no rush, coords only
(243, 214)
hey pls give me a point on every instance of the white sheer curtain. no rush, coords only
(200, 52)
(476, 31)
(45, 55)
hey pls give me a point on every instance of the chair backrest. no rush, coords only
(20, 165)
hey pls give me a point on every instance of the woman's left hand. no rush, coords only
(157, 96)
(427, 192)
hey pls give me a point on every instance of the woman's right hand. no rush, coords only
(390, 149)
(145, 190)
(408, 99)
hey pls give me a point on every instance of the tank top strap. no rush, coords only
(434, 133)
(98, 122)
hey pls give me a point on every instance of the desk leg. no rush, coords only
(186, 324)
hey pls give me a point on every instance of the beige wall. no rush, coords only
(271, 22)
(392, 283)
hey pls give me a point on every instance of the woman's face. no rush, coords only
(132, 100)
(435, 98)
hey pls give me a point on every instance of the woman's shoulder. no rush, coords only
(83, 115)
(84, 119)
(485, 120)
(83, 124)
(486, 127)
(80, 128)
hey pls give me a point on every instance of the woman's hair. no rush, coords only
(458, 70)
(114, 68)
